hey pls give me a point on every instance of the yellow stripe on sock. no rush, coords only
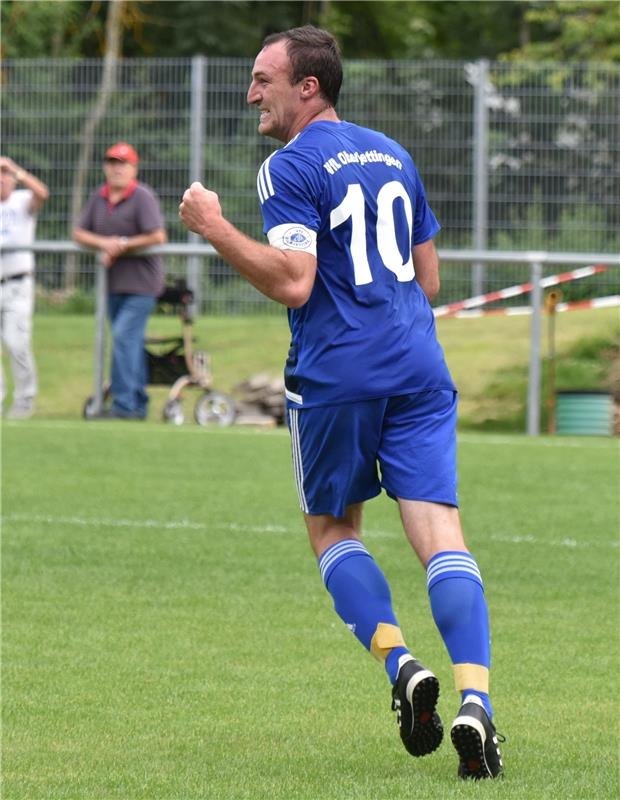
(384, 639)
(471, 676)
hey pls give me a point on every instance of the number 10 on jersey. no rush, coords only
(353, 208)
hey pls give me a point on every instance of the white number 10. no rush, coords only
(353, 207)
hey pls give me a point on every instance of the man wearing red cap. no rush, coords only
(120, 217)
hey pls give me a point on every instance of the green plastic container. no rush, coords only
(587, 413)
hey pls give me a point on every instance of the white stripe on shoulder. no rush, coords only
(263, 180)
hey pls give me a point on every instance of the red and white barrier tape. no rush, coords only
(611, 301)
(514, 291)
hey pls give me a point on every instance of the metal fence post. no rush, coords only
(481, 172)
(533, 390)
(196, 168)
(101, 302)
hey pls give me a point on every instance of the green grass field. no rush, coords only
(166, 634)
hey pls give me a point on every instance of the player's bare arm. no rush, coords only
(426, 264)
(282, 275)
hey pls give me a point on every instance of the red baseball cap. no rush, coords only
(123, 152)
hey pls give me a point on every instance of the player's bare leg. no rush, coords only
(431, 528)
(325, 530)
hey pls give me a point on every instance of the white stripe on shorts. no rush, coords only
(298, 467)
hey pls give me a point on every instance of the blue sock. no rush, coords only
(391, 662)
(460, 612)
(363, 601)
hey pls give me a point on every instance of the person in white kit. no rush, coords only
(18, 216)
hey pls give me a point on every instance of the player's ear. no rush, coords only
(310, 87)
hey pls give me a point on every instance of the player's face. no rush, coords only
(271, 92)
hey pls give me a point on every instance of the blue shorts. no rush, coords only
(346, 453)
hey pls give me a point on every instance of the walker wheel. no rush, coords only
(88, 409)
(173, 413)
(215, 408)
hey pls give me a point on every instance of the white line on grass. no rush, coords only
(527, 539)
(234, 527)
(91, 522)
(570, 543)
(182, 524)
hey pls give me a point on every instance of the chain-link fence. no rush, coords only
(514, 156)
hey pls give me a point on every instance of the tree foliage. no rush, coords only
(450, 29)
(572, 30)
(42, 29)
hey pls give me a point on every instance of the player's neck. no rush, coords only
(323, 115)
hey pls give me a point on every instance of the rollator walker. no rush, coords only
(172, 361)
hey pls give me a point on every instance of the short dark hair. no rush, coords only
(312, 51)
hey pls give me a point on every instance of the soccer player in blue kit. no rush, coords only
(370, 400)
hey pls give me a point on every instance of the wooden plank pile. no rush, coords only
(260, 401)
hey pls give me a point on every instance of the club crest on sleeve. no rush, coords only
(297, 237)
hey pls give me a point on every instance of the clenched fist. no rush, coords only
(200, 209)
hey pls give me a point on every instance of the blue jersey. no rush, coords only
(354, 197)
